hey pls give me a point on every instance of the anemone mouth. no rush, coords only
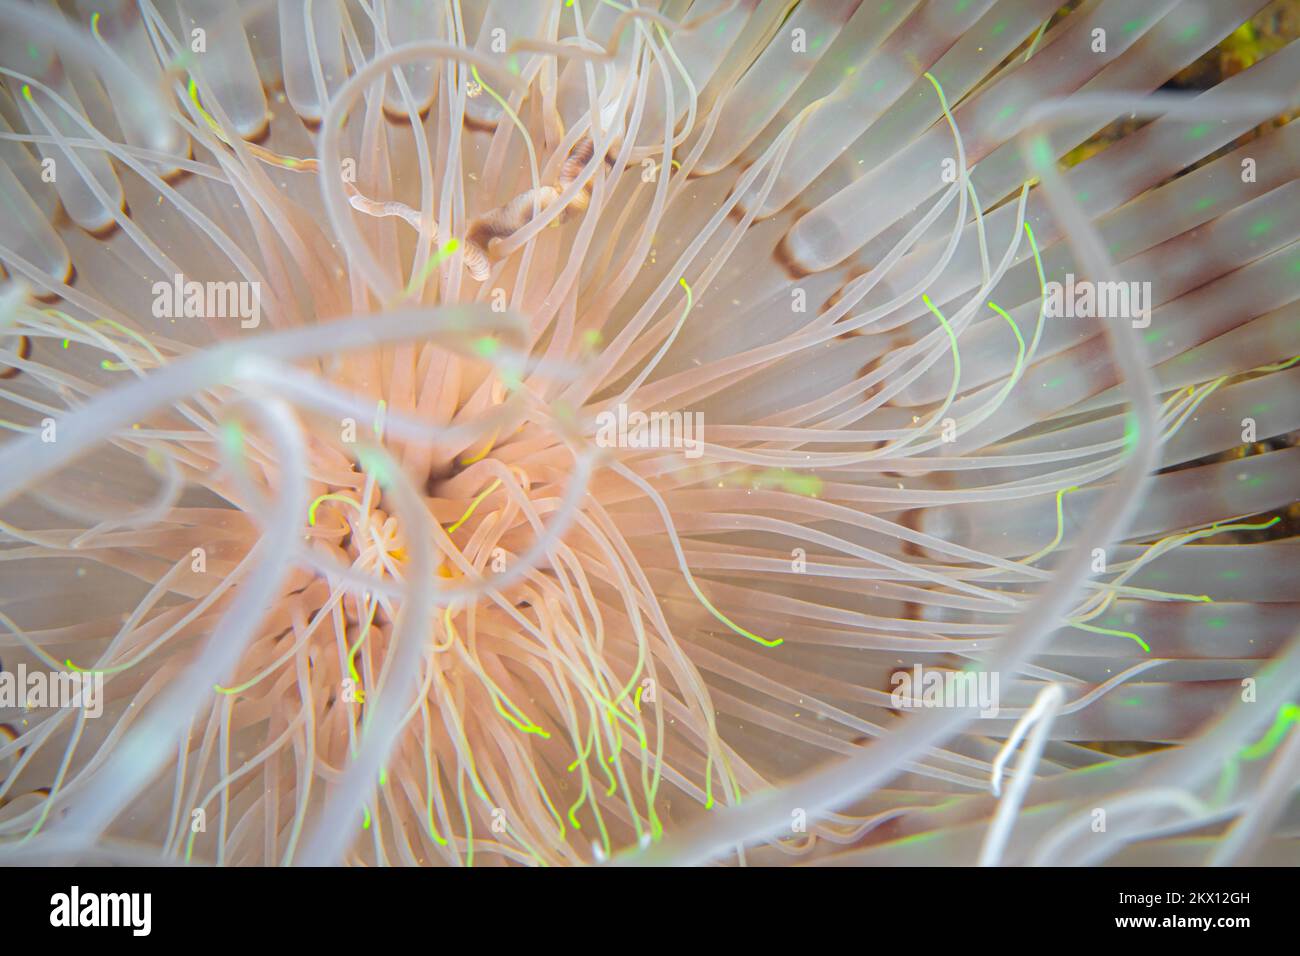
(720, 431)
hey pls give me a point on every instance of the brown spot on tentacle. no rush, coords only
(261, 134)
(894, 345)
(399, 117)
(890, 686)
(897, 343)
(473, 122)
(49, 298)
(911, 520)
(868, 369)
(834, 298)
(179, 175)
(10, 732)
(786, 260)
(107, 231)
(736, 212)
(24, 352)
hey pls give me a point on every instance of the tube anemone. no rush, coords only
(553, 433)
